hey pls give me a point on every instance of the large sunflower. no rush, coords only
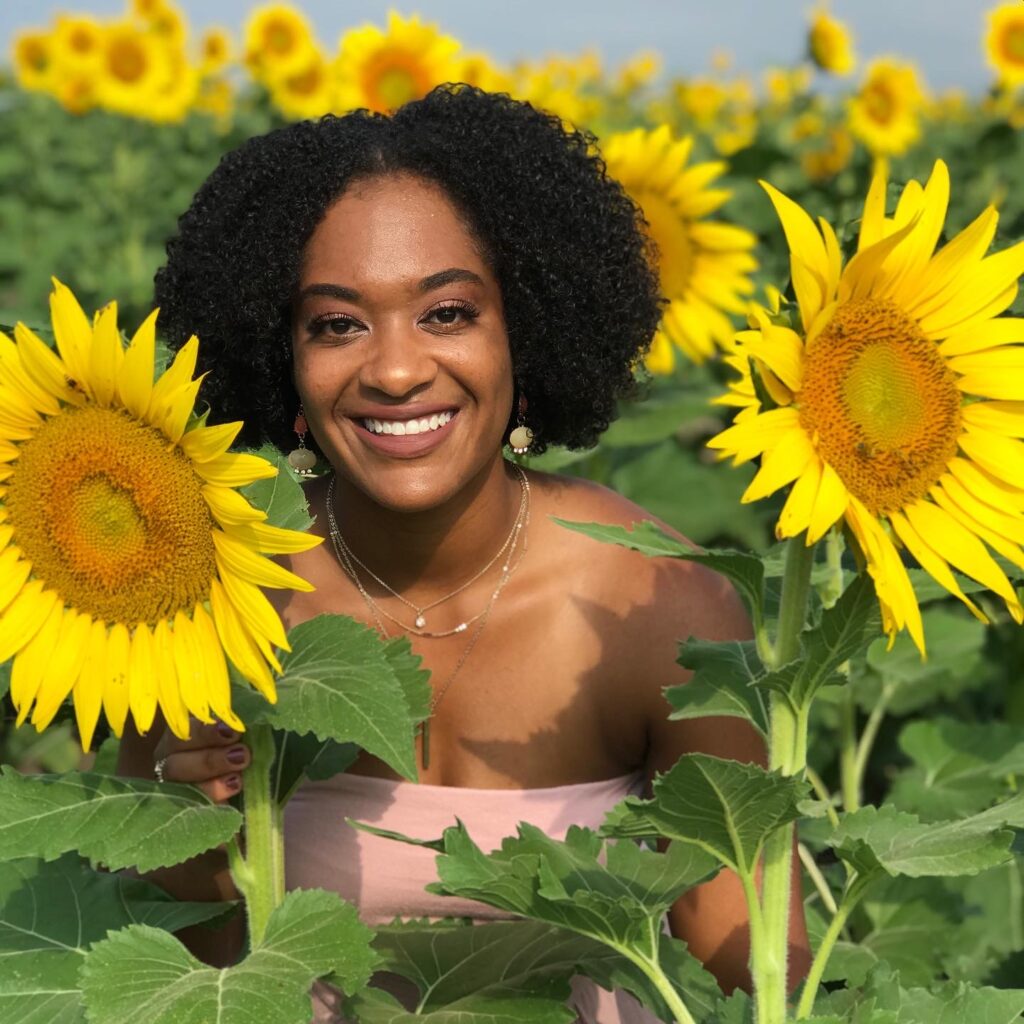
(382, 70)
(130, 565)
(898, 396)
(705, 265)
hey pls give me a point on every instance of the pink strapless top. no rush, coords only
(385, 879)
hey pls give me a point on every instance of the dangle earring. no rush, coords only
(521, 438)
(301, 459)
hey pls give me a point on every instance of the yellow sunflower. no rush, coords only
(885, 114)
(133, 68)
(34, 60)
(705, 265)
(306, 93)
(214, 50)
(131, 565)
(382, 70)
(898, 394)
(830, 45)
(77, 42)
(278, 41)
(1004, 43)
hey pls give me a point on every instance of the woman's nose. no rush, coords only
(398, 361)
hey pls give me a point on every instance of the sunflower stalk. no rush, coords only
(788, 754)
(260, 875)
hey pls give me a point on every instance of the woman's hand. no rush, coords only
(212, 759)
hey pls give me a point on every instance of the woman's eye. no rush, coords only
(337, 326)
(451, 316)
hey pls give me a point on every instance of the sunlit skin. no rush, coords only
(396, 307)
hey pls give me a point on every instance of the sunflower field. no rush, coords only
(833, 411)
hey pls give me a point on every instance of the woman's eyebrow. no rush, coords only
(450, 276)
(332, 291)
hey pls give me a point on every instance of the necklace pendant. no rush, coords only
(421, 621)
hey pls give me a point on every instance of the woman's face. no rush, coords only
(400, 351)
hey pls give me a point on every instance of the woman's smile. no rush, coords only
(407, 433)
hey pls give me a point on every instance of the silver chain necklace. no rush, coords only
(343, 554)
(348, 559)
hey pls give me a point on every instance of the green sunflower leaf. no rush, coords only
(141, 974)
(341, 682)
(614, 893)
(515, 972)
(883, 839)
(50, 914)
(281, 496)
(721, 683)
(844, 631)
(726, 808)
(116, 822)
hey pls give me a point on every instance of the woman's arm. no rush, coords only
(205, 878)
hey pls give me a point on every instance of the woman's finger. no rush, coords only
(201, 766)
(201, 736)
(222, 789)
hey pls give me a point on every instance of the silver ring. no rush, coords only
(158, 769)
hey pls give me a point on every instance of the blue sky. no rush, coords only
(942, 36)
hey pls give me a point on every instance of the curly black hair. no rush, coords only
(566, 244)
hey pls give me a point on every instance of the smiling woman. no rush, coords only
(417, 286)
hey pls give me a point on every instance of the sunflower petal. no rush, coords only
(932, 564)
(63, 668)
(73, 332)
(273, 540)
(142, 687)
(30, 663)
(115, 678)
(235, 470)
(781, 465)
(88, 690)
(43, 365)
(829, 504)
(959, 547)
(215, 670)
(105, 355)
(14, 571)
(24, 617)
(168, 691)
(188, 662)
(229, 507)
(201, 444)
(237, 559)
(238, 645)
(256, 611)
(795, 516)
(135, 378)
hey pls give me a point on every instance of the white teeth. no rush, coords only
(421, 426)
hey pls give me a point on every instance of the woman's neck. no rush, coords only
(434, 549)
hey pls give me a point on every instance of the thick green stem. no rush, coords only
(260, 877)
(788, 754)
(852, 896)
(796, 583)
(761, 968)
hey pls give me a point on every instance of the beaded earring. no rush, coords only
(521, 438)
(301, 459)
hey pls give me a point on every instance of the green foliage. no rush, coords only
(724, 808)
(116, 822)
(142, 974)
(722, 682)
(340, 682)
(52, 913)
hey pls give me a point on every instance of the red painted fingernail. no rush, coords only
(226, 731)
(233, 782)
(237, 755)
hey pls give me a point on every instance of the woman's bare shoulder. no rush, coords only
(679, 596)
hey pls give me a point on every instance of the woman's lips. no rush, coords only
(405, 446)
